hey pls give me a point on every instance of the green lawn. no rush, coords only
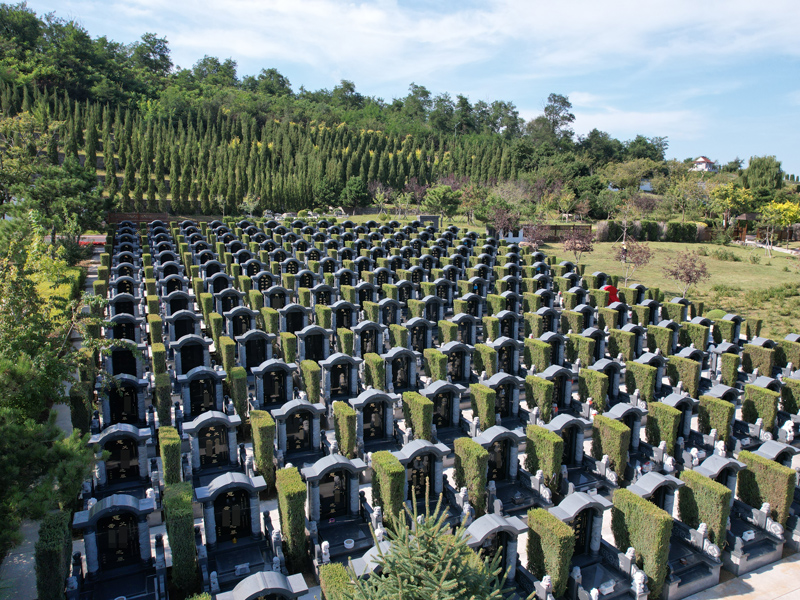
(768, 290)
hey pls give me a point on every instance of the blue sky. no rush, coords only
(719, 78)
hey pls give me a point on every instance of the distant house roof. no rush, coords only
(703, 159)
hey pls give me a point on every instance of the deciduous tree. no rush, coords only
(687, 269)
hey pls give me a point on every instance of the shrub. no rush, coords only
(334, 582)
(642, 377)
(418, 413)
(531, 302)
(180, 530)
(272, 320)
(729, 368)
(790, 395)
(324, 316)
(483, 404)
(715, 413)
(640, 523)
(570, 300)
(622, 342)
(237, 384)
(255, 299)
(170, 445)
(694, 333)
(534, 325)
(540, 392)
(551, 544)
(292, 511)
(156, 329)
(703, 500)
(288, 346)
(416, 308)
(387, 484)
(674, 311)
(346, 337)
(593, 384)
(537, 354)
(659, 337)
(163, 398)
(760, 402)
(471, 467)
(662, 425)
(787, 352)
(159, 357)
(372, 311)
(726, 329)
(81, 406)
(607, 317)
(375, 371)
(344, 418)
(495, 304)
(685, 233)
(752, 328)
(640, 314)
(263, 426)
(491, 328)
(544, 450)
(53, 555)
(686, 370)
(758, 357)
(765, 480)
(485, 359)
(580, 347)
(448, 332)
(571, 320)
(215, 323)
(312, 374)
(612, 438)
(598, 298)
(435, 364)
(227, 352)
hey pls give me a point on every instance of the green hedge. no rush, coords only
(263, 426)
(686, 370)
(272, 320)
(537, 353)
(662, 425)
(540, 392)
(435, 364)
(752, 328)
(758, 357)
(612, 438)
(372, 311)
(375, 371)
(418, 413)
(684, 233)
(495, 304)
(215, 323)
(551, 544)
(622, 342)
(227, 352)
(398, 336)
(571, 320)
(324, 316)
(312, 379)
(159, 357)
(156, 329)
(594, 385)
(416, 308)
(580, 347)
(598, 298)
(206, 303)
(640, 314)
(180, 530)
(607, 317)
(674, 311)
(288, 346)
(237, 385)
(81, 404)
(729, 368)
(642, 377)
(787, 352)
(334, 582)
(570, 300)
(641, 524)
(53, 555)
(715, 413)
(531, 302)
(303, 297)
(485, 359)
(790, 395)
(544, 450)
(703, 500)
(471, 468)
(726, 330)
(292, 512)
(388, 482)
(534, 325)
(760, 402)
(255, 299)
(484, 401)
(346, 338)
(694, 333)
(170, 447)
(448, 332)
(491, 328)
(659, 337)
(765, 480)
(344, 418)
(163, 398)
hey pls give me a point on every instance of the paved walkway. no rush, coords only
(778, 581)
(17, 573)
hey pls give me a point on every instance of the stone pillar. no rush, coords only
(301, 348)
(90, 549)
(731, 484)
(140, 400)
(142, 459)
(635, 433)
(255, 515)
(597, 532)
(359, 424)
(195, 443)
(313, 501)
(568, 391)
(144, 539)
(388, 419)
(281, 425)
(315, 433)
(515, 403)
(106, 408)
(659, 377)
(289, 387)
(388, 376)
(467, 364)
(511, 558)
(100, 469)
(210, 523)
(687, 425)
(513, 462)
(669, 501)
(354, 494)
(233, 447)
(455, 410)
(438, 476)
(579, 448)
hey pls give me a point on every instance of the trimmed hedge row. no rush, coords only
(312, 379)
(758, 357)
(551, 544)
(686, 370)
(346, 338)
(641, 524)
(760, 402)
(226, 349)
(642, 377)
(237, 386)
(790, 395)
(180, 530)
(418, 413)
(544, 450)
(607, 317)
(540, 392)
(288, 346)
(659, 337)
(292, 512)
(594, 385)
(272, 320)
(215, 322)
(159, 357)
(471, 467)
(571, 320)
(387, 485)
(435, 364)
(448, 332)
(344, 418)
(163, 399)
(694, 333)
(484, 401)
(334, 582)
(729, 368)
(170, 447)
(53, 555)
(662, 425)
(580, 347)
(263, 426)
(715, 413)
(613, 438)
(537, 354)
(622, 342)
(398, 336)
(787, 352)
(534, 325)
(324, 316)
(765, 480)
(703, 500)
(485, 359)
(375, 371)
